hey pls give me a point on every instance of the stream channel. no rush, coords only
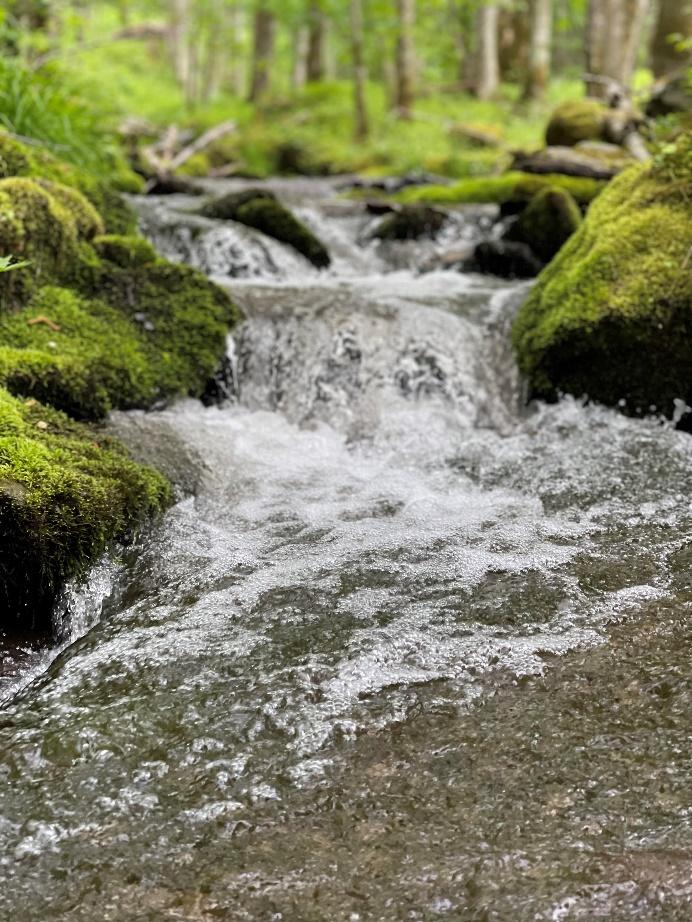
(404, 649)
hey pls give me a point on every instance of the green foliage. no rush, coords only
(8, 263)
(611, 316)
(66, 492)
(49, 108)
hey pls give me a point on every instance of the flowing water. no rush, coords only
(403, 650)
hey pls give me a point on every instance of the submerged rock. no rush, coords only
(547, 223)
(506, 259)
(410, 222)
(611, 316)
(260, 209)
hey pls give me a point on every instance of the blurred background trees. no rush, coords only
(486, 63)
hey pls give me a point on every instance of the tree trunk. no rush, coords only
(614, 31)
(674, 18)
(317, 43)
(263, 52)
(487, 53)
(359, 71)
(179, 27)
(538, 72)
(405, 59)
(299, 72)
(237, 68)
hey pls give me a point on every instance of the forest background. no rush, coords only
(316, 86)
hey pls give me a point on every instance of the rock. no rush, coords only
(378, 207)
(260, 209)
(506, 259)
(611, 316)
(66, 491)
(671, 96)
(410, 222)
(173, 185)
(547, 223)
(576, 120)
(572, 161)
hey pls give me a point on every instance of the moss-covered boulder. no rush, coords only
(410, 222)
(576, 120)
(260, 209)
(20, 160)
(95, 321)
(66, 492)
(547, 223)
(611, 316)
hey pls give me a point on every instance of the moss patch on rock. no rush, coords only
(260, 209)
(576, 120)
(66, 491)
(611, 316)
(547, 223)
(20, 160)
(510, 188)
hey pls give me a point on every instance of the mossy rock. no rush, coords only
(66, 492)
(136, 336)
(576, 120)
(261, 210)
(512, 188)
(35, 226)
(611, 316)
(21, 160)
(410, 222)
(547, 222)
(126, 252)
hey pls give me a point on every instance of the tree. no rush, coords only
(487, 52)
(614, 30)
(317, 43)
(263, 51)
(674, 20)
(359, 69)
(405, 58)
(538, 71)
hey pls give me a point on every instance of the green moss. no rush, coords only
(513, 187)
(260, 209)
(154, 332)
(34, 226)
(22, 160)
(197, 166)
(574, 121)
(65, 493)
(547, 223)
(88, 222)
(611, 316)
(126, 252)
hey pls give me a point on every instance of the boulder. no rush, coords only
(611, 316)
(547, 223)
(410, 222)
(576, 120)
(260, 209)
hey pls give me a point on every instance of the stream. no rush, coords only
(404, 649)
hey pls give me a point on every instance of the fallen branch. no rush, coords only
(162, 156)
